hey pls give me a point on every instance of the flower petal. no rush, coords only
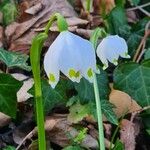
(51, 66)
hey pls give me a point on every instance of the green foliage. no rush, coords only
(118, 145)
(73, 147)
(9, 10)
(8, 99)
(53, 97)
(79, 111)
(133, 79)
(85, 89)
(107, 109)
(147, 54)
(9, 148)
(134, 35)
(135, 2)
(81, 136)
(12, 59)
(116, 19)
(77, 140)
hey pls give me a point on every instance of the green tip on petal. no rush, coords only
(90, 73)
(51, 78)
(127, 55)
(105, 66)
(115, 62)
(72, 73)
(77, 74)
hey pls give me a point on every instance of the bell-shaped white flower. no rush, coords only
(73, 56)
(110, 48)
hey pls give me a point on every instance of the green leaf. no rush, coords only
(133, 35)
(8, 89)
(76, 147)
(86, 91)
(147, 54)
(9, 148)
(81, 136)
(133, 79)
(118, 145)
(53, 97)
(134, 2)
(116, 19)
(78, 112)
(12, 59)
(9, 11)
(107, 109)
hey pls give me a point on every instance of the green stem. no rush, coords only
(88, 5)
(61, 23)
(98, 33)
(35, 54)
(99, 115)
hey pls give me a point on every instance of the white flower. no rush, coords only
(111, 48)
(73, 56)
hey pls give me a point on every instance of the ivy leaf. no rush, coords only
(86, 91)
(116, 19)
(147, 54)
(53, 97)
(107, 109)
(8, 89)
(133, 79)
(12, 59)
(133, 35)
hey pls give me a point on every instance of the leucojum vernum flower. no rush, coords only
(110, 48)
(74, 57)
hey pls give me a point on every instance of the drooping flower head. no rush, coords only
(72, 55)
(110, 48)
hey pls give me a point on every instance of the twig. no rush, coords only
(138, 111)
(141, 47)
(144, 11)
(137, 7)
(28, 136)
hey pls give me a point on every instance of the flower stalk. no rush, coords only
(35, 54)
(94, 38)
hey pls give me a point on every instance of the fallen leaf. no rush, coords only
(22, 94)
(123, 102)
(1, 36)
(20, 35)
(128, 132)
(4, 119)
(57, 128)
(34, 9)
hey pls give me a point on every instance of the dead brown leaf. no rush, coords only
(1, 36)
(129, 131)
(99, 5)
(34, 9)
(123, 102)
(4, 120)
(20, 35)
(22, 94)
